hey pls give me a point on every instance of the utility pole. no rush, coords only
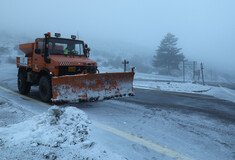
(203, 82)
(198, 73)
(211, 75)
(125, 62)
(183, 72)
(194, 70)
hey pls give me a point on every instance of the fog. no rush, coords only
(206, 29)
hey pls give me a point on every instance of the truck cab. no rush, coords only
(63, 71)
(56, 56)
(52, 57)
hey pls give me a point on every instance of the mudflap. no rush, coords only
(88, 87)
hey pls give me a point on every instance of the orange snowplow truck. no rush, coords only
(62, 70)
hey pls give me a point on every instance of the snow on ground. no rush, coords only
(151, 81)
(8, 51)
(12, 113)
(41, 139)
(222, 93)
(218, 92)
(60, 133)
(171, 86)
(198, 135)
(141, 76)
(148, 81)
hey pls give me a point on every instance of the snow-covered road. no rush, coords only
(189, 126)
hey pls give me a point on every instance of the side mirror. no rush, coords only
(38, 51)
(88, 52)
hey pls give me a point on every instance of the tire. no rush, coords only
(45, 88)
(23, 85)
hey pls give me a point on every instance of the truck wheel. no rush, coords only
(45, 88)
(23, 85)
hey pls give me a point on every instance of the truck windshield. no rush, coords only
(65, 47)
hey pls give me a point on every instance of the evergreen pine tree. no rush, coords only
(167, 54)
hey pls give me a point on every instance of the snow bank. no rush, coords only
(218, 92)
(172, 86)
(61, 133)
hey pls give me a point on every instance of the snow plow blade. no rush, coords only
(89, 87)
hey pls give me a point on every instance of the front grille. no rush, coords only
(64, 70)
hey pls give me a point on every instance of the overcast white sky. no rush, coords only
(205, 28)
